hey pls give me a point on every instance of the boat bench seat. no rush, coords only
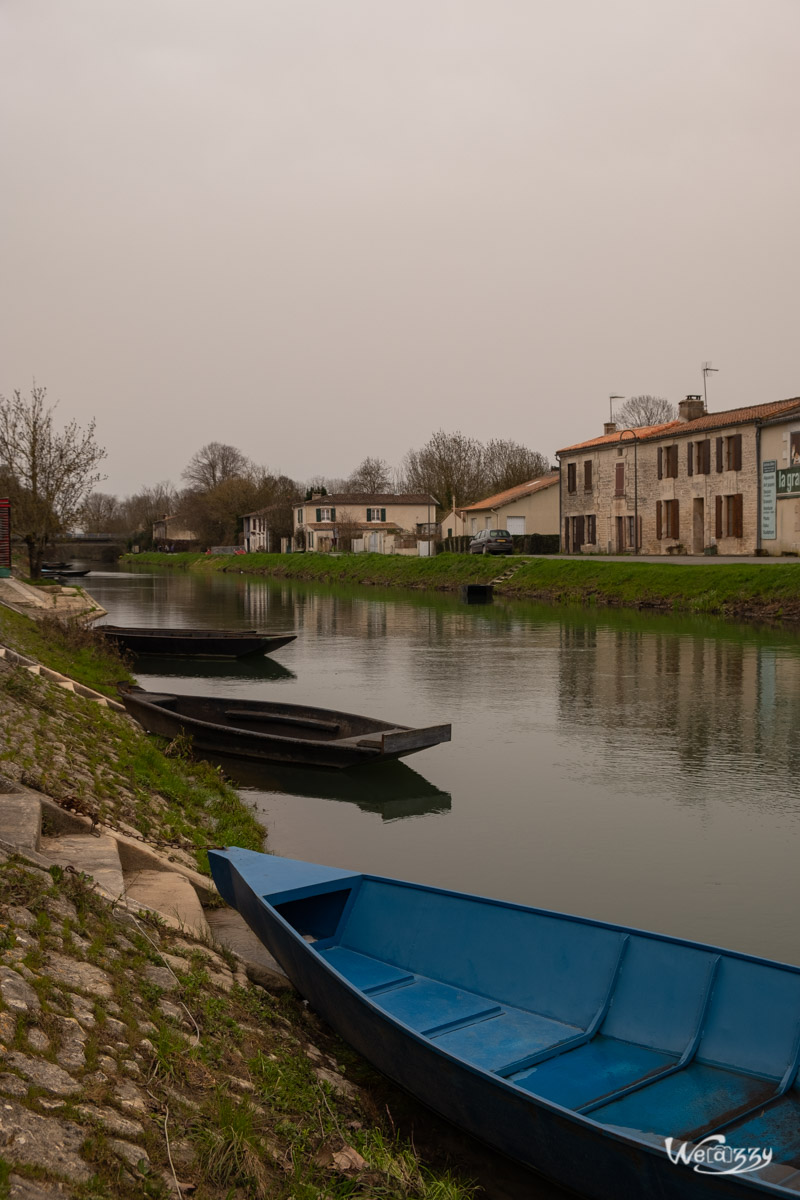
(476, 1028)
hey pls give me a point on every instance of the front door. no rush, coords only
(698, 525)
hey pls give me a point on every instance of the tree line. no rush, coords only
(50, 475)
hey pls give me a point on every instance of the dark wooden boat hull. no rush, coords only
(275, 732)
(303, 912)
(67, 572)
(195, 643)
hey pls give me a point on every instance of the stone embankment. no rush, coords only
(149, 1045)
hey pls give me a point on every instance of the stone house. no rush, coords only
(380, 524)
(172, 532)
(530, 507)
(689, 486)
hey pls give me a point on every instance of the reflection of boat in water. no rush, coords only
(257, 667)
(393, 790)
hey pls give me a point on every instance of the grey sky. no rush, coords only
(321, 229)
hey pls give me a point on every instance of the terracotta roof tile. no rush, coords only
(717, 420)
(515, 493)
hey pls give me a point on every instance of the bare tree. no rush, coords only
(449, 464)
(371, 477)
(213, 464)
(50, 472)
(507, 464)
(347, 528)
(101, 513)
(645, 410)
(146, 506)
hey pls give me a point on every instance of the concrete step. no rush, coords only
(171, 895)
(20, 819)
(230, 929)
(95, 856)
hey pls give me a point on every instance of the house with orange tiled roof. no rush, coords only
(705, 483)
(530, 507)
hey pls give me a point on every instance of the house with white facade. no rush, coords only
(380, 524)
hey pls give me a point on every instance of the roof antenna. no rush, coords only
(707, 370)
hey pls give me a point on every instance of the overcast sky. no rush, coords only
(322, 229)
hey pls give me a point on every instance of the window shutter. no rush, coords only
(737, 452)
(383, 514)
(660, 465)
(587, 476)
(319, 515)
(333, 514)
(619, 480)
(718, 529)
(676, 531)
(707, 457)
(658, 516)
(719, 455)
(690, 458)
(566, 534)
(673, 454)
(738, 515)
(579, 533)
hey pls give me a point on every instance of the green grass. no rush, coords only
(725, 589)
(66, 646)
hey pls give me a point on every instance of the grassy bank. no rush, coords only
(748, 590)
(132, 1054)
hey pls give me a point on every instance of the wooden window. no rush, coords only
(690, 458)
(591, 530)
(720, 442)
(326, 514)
(733, 452)
(704, 457)
(631, 532)
(376, 514)
(671, 519)
(718, 517)
(671, 462)
(730, 515)
(572, 485)
(659, 520)
(579, 532)
(619, 479)
(587, 475)
(660, 462)
(566, 535)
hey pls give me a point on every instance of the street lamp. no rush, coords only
(635, 437)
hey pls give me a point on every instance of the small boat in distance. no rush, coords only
(66, 572)
(272, 731)
(616, 1062)
(195, 643)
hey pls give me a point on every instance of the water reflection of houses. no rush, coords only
(702, 698)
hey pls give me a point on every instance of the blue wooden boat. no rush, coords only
(618, 1063)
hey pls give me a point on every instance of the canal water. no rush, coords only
(630, 768)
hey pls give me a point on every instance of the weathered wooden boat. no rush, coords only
(195, 643)
(276, 732)
(616, 1062)
(67, 572)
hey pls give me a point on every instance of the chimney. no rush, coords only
(609, 427)
(691, 408)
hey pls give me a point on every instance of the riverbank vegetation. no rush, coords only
(769, 591)
(176, 1067)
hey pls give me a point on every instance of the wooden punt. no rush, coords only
(616, 1062)
(195, 643)
(276, 732)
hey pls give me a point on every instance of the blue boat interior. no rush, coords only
(632, 1030)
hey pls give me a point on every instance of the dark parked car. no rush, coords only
(492, 541)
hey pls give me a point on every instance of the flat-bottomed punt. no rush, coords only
(275, 732)
(578, 1047)
(195, 643)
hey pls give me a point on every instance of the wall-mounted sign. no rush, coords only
(788, 481)
(5, 537)
(768, 500)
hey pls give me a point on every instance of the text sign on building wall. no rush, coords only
(769, 472)
(5, 535)
(788, 481)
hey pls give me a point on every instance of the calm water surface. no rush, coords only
(634, 769)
